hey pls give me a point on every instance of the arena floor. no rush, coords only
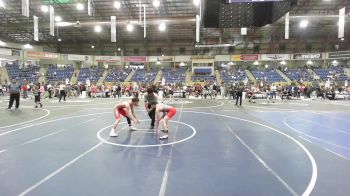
(214, 148)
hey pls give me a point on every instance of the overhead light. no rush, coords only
(309, 62)
(304, 23)
(129, 27)
(58, 19)
(162, 54)
(256, 63)
(92, 46)
(2, 4)
(266, 66)
(64, 24)
(182, 64)
(335, 62)
(342, 39)
(44, 8)
(2, 43)
(80, 6)
(27, 46)
(98, 29)
(197, 2)
(156, 3)
(158, 63)
(59, 39)
(119, 49)
(117, 4)
(162, 27)
(283, 62)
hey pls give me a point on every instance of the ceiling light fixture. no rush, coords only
(92, 46)
(256, 63)
(129, 27)
(58, 19)
(162, 27)
(117, 4)
(27, 46)
(2, 4)
(59, 39)
(44, 8)
(156, 3)
(2, 43)
(283, 62)
(309, 62)
(80, 6)
(98, 29)
(196, 2)
(304, 23)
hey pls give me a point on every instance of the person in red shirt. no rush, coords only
(168, 113)
(125, 109)
(24, 90)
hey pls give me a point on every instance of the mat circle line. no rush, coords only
(150, 145)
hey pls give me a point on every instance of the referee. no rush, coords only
(150, 97)
(14, 89)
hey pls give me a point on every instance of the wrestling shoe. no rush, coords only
(164, 137)
(113, 133)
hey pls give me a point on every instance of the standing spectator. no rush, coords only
(62, 92)
(37, 93)
(24, 91)
(239, 94)
(1, 91)
(14, 89)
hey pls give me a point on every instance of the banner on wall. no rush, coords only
(134, 59)
(4, 51)
(307, 56)
(274, 57)
(111, 59)
(75, 57)
(182, 58)
(202, 57)
(339, 55)
(43, 55)
(166, 58)
(245, 57)
(222, 58)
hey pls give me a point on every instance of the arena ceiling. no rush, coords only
(179, 16)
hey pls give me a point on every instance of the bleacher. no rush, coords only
(174, 76)
(29, 73)
(55, 74)
(336, 73)
(228, 76)
(204, 78)
(269, 76)
(298, 75)
(144, 76)
(93, 74)
(117, 75)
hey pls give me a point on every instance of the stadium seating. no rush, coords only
(336, 73)
(204, 78)
(269, 76)
(55, 74)
(117, 75)
(144, 76)
(29, 73)
(174, 76)
(93, 74)
(232, 76)
(299, 75)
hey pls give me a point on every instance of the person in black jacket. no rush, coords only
(239, 94)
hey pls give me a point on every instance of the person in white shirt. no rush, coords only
(63, 94)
